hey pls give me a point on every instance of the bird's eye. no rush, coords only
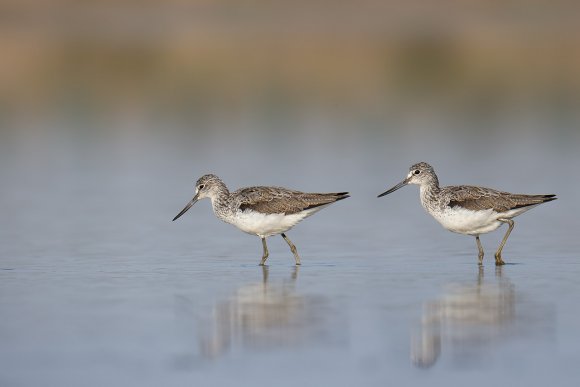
(417, 172)
(201, 186)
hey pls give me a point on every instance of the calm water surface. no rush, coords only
(99, 287)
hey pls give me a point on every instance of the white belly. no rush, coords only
(265, 225)
(468, 222)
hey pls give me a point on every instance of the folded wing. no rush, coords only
(277, 200)
(479, 198)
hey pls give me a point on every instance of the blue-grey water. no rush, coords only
(99, 287)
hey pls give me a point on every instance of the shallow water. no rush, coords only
(99, 287)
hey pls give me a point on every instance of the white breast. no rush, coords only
(265, 225)
(469, 222)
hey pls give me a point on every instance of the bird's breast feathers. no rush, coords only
(265, 225)
(464, 221)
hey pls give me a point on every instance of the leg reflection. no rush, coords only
(265, 314)
(466, 319)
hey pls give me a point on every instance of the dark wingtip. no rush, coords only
(336, 197)
(540, 199)
(547, 198)
(341, 196)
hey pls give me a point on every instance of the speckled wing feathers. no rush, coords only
(277, 200)
(480, 198)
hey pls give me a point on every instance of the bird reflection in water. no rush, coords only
(261, 316)
(467, 319)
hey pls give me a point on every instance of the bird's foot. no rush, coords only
(498, 260)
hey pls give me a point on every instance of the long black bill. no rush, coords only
(400, 185)
(191, 203)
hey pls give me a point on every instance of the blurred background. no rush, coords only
(117, 101)
(111, 109)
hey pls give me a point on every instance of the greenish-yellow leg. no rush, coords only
(498, 260)
(265, 255)
(292, 248)
(480, 248)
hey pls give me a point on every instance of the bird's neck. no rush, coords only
(220, 201)
(429, 192)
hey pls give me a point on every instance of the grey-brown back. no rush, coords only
(277, 200)
(481, 198)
